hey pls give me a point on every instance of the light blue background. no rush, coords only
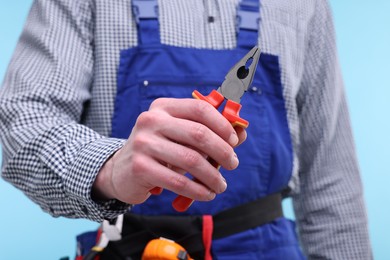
(363, 37)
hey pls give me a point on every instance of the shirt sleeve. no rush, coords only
(329, 207)
(47, 153)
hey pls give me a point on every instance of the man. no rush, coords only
(94, 117)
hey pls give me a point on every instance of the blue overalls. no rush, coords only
(153, 70)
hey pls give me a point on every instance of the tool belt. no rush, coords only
(189, 231)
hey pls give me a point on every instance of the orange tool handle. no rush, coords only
(164, 249)
(230, 112)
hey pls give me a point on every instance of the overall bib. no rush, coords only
(153, 70)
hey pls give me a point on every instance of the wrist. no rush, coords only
(102, 187)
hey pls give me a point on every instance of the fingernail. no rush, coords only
(224, 185)
(233, 139)
(234, 161)
(211, 195)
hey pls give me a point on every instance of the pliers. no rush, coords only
(236, 83)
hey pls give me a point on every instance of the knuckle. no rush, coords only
(179, 183)
(191, 159)
(140, 142)
(138, 166)
(157, 103)
(226, 153)
(202, 107)
(225, 128)
(201, 194)
(146, 119)
(198, 134)
(214, 183)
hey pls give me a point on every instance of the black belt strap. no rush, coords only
(226, 223)
(239, 219)
(247, 216)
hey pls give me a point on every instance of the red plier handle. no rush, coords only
(231, 113)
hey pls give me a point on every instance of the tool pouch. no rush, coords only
(193, 233)
(138, 230)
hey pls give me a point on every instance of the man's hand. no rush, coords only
(174, 137)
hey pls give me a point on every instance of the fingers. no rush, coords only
(146, 173)
(202, 139)
(198, 111)
(189, 160)
(179, 183)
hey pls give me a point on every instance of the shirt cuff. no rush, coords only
(82, 175)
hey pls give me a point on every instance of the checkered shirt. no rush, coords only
(57, 102)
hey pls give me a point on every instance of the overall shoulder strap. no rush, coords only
(145, 13)
(248, 23)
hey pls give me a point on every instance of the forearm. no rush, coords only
(57, 168)
(329, 207)
(47, 153)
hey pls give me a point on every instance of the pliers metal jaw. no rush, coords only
(236, 83)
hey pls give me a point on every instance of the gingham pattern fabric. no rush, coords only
(57, 102)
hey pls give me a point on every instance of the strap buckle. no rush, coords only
(248, 16)
(144, 9)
